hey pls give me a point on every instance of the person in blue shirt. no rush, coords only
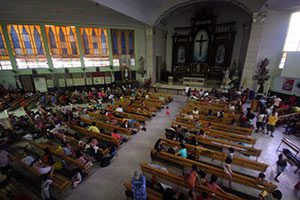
(138, 184)
(182, 152)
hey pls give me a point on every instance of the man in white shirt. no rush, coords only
(277, 102)
(187, 88)
(119, 109)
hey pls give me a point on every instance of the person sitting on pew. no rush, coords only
(47, 158)
(203, 196)
(119, 109)
(182, 152)
(77, 178)
(209, 113)
(261, 177)
(195, 111)
(159, 145)
(220, 114)
(67, 149)
(94, 128)
(213, 185)
(194, 141)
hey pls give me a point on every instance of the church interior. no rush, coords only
(150, 99)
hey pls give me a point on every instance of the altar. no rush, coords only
(196, 81)
(202, 50)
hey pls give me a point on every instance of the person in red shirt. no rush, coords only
(292, 100)
(203, 196)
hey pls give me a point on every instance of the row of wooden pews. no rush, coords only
(207, 151)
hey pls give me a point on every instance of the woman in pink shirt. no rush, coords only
(213, 185)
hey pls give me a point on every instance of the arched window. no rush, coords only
(15, 41)
(63, 43)
(26, 40)
(103, 40)
(38, 42)
(73, 42)
(115, 42)
(131, 43)
(85, 43)
(96, 43)
(123, 42)
(4, 58)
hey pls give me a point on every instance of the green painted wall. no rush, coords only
(7, 77)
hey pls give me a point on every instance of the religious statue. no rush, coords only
(226, 79)
(262, 75)
(235, 75)
(142, 69)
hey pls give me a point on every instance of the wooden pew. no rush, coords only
(98, 136)
(218, 134)
(106, 126)
(206, 107)
(204, 111)
(142, 112)
(220, 126)
(236, 177)
(60, 182)
(179, 181)
(105, 118)
(224, 120)
(217, 143)
(136, 104)
(75, 142)
(140, 118)
(85, 167)
(201, 151)
(151, 194)
(157, 94)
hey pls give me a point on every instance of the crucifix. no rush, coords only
(201, 41)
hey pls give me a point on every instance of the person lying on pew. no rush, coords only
(115, 135)
(41, 168)
(275, 195)
(189, 115)
(195, 111)
(82, 159)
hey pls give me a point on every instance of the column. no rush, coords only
(150, 57)
(252, 59)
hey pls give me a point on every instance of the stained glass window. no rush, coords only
(123, 46)
(63, 46)
(95, 46)
(27, 44)
(4, 58)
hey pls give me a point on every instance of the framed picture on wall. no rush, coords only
(288, 84)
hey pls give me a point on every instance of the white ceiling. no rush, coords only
(149, 11)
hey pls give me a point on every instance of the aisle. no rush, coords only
(107, 183)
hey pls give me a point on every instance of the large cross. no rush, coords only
(201, 41)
